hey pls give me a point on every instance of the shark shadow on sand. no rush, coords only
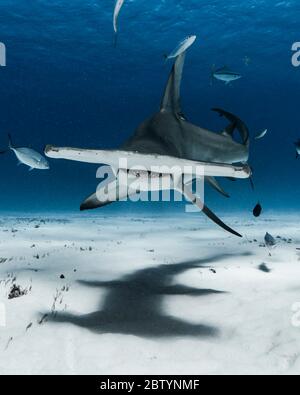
(133, 304)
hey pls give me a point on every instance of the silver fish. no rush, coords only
(261, 134)
(225, 75)
(182, 47)
(29, 157)
(297, 144)
(118, 6)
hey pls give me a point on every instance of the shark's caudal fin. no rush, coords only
(171, 98)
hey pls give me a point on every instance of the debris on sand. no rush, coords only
(264, 268)
(8, 343)
(16, 292)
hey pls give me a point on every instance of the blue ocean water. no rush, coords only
(66, 84)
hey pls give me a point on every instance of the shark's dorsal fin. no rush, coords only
(171, 97)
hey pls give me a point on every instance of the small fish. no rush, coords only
(261, 134)
(181, 47)
(118, 6)
(297, 144)
(269, 240)
(257, 210)
(29, 157)
(225, 75)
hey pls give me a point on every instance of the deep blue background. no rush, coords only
(65, 84)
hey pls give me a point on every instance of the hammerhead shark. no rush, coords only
(168, 139)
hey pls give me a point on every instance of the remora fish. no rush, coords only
(181, 47)
(29, 157)
(167, 139)
(297, 144)
(261, 134)
(225, 75)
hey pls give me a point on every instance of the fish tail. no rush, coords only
(10, 145)
(115, 42)
(297, 155)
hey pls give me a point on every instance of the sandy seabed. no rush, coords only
(150, 295)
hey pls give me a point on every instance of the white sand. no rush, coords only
(144, 299)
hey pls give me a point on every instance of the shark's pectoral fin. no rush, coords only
(189, 195)
(214, 183)
(217, 220)
(31, 168)
(92, 202)
(105, 195)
